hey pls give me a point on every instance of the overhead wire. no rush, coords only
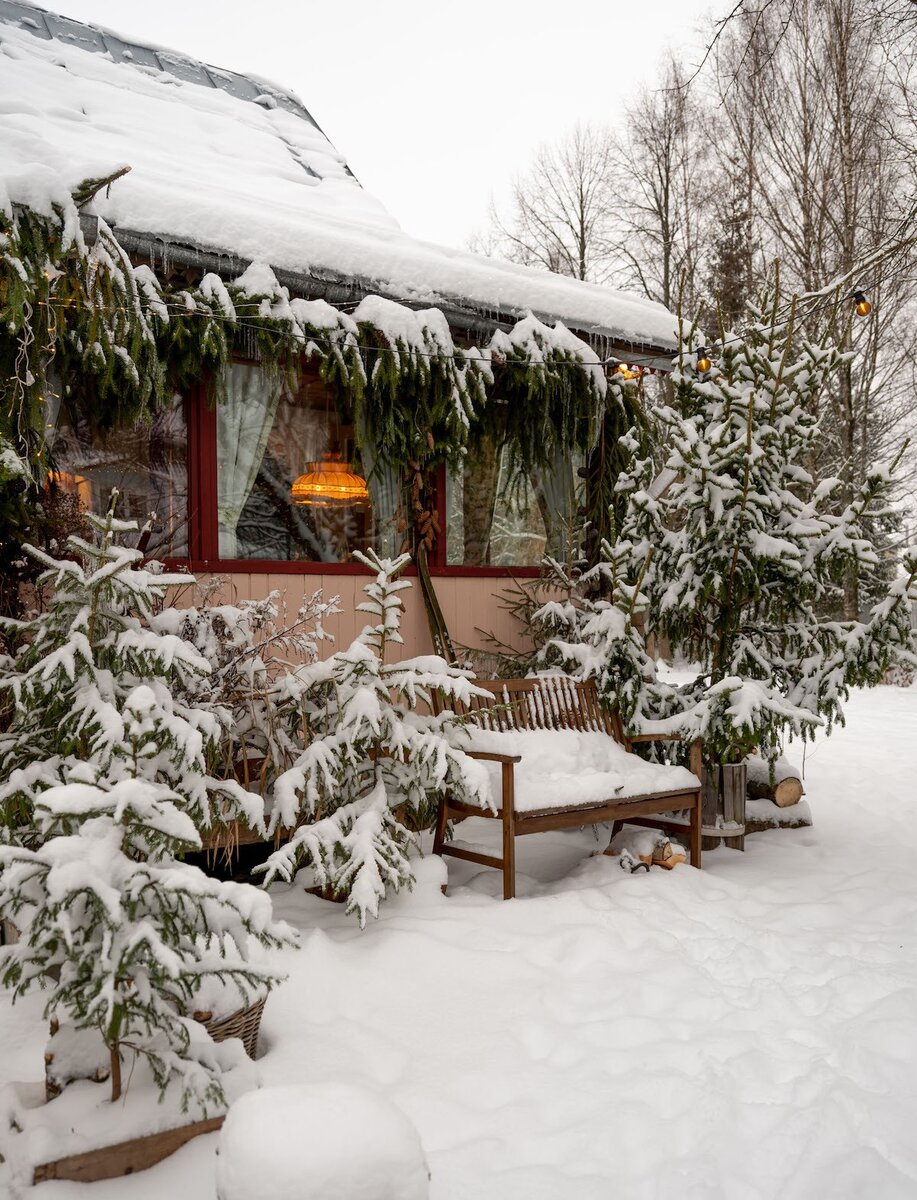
(812, 302)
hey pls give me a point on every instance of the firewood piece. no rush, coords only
(784, 793)
(786, 788)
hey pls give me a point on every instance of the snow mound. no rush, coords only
(311, 1142)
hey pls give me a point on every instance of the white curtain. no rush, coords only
(385, 492)
(556, 492)
(244, 422)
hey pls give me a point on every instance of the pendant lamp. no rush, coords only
(330, 484)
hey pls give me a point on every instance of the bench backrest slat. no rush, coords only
(547, 702)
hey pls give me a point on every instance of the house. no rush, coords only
(307, 343)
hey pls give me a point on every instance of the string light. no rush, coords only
(863, 307)
(703, 362)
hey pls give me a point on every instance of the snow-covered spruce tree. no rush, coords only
(595, 631)
(743, 553)
(115, 930)
(73, 668)
(103, 784)
(370, 752)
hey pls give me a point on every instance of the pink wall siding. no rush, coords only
(469, 605)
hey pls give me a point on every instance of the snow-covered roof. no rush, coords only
(233, 164)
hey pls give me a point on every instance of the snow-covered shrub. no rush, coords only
(741, 554)
(250, 648)
(371, 751)
(104, 784)
(12, 464)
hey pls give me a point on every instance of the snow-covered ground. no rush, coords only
(745, 1032)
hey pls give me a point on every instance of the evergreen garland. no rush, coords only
(420, 401)
(550, 389)
(623, 435)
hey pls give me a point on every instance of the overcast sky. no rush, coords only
(435, 105)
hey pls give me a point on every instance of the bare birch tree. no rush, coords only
(561, 210)
(666, 191)
(813, 110)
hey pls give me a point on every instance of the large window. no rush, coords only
(147, 461)
(231, 499)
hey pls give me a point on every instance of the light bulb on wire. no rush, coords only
(863, 307)
(703, 362)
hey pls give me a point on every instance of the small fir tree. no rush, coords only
(104, 785)
(743, 554)
(72, 669)
(116, 931)
(371, 750)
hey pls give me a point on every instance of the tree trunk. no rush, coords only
(481, 479)
(115, 1072)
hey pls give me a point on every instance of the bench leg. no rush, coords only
(697, 821)
(509, 833)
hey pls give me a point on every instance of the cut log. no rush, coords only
(764, 815)
(786, 788)
(784, 793)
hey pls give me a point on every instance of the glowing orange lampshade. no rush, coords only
(330, 484)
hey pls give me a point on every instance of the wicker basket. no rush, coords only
(244, 1024)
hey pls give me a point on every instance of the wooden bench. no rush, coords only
(552, 703)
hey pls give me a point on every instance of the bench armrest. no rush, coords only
(487, 756)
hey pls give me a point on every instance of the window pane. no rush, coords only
(266, 438)
(493, 519)
(147, 462)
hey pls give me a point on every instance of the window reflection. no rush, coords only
(497, 518)
(147, 461)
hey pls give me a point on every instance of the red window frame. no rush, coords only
(203, 526)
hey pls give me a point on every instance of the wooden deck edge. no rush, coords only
(123, 1158)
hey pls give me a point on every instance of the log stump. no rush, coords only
(723, 800)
